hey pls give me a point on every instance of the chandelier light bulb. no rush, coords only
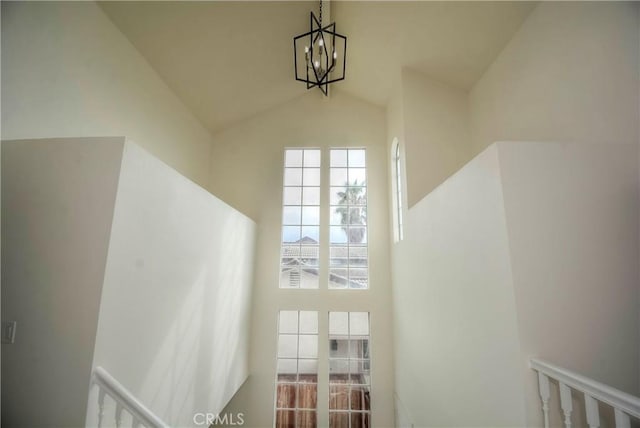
(335, 54)
(321, 42)
(306, 49)
(316, 64)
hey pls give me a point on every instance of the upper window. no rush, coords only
(348, 265)
(299, 261)
(397, 187)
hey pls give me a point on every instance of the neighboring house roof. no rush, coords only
(305, 253)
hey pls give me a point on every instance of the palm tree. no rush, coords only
(353, 211)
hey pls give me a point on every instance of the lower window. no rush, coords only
(297, 369)
(349, 370)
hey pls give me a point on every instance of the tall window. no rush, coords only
(348, 264)
(299, 261)
(349, 370)
(297, 370)
(397, 169)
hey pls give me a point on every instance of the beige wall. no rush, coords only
(501, 263)
(436, 132)
(456, 337)
(574, 251)
(247, 164)
(57, 208)
(68, 72)
(569, 74)
(174, 313)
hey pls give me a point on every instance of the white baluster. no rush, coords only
(543, 385)
(101, 395)
(622, 419)
(566, 403)
(118, 415)
(593, 414)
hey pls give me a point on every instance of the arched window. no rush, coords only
(397, 178)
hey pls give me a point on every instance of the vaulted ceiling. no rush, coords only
(228, 61)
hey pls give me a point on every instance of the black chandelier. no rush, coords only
(325, 54)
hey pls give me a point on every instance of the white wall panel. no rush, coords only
(174, 317)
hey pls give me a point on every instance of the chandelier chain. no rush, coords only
(320, 13)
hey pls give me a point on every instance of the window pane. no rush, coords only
(306, 418)
(312, 158)
(288, 322)
(338, 177)
(311, 196)
(338, 158)
(309, 322)
(339, 323)
(339, 397)
(293, 177)
(310, 215)
(287, 366)
(357, 176)
(337, 235)
(338, 278)
(309, 278)
(308, 370)
(293, 158)
(339, 420)
(309, 255)
(339, 348)
(337, 195)
(356, 158)
(338, 370)
(290, 234)
(286, 396)
(358, 215)
(359, 398)
(360, 420)
(288, 346)
(290, 277)
(311, 176)
(292, 196)
(291, 215)
(358, 278)
(308, 346)
(357, 235)
(359, 323)
(310, 234)
(285, 418)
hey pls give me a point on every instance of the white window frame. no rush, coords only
(397, 188)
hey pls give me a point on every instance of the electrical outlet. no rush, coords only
(9, 332)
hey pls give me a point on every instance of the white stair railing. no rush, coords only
(125, 401)
(624, 405)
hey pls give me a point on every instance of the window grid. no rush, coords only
(296, 369)
(300, 244)
(349, 370)
(348, 250)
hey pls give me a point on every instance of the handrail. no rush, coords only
(598, 390)
(123, 397)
